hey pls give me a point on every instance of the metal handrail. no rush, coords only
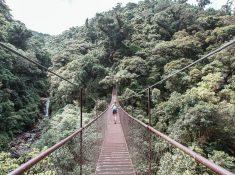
(26, 166)
(209, 164)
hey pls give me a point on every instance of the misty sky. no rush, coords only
(55, 16)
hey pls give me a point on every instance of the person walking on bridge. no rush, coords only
(114, 109)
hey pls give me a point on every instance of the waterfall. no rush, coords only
(46, 108)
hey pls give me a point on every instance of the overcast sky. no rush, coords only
(55, 16)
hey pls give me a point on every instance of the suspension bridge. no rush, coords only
(102, 147)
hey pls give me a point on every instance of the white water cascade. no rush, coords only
(46, 108)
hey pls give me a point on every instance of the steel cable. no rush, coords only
(139, 94)
(35, 62)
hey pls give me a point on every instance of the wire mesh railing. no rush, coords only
(159, 151)
(151, 151)
(76, 154)
(155, 153)
(137, 138)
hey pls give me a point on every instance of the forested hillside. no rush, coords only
(130, 47)
(139, 44)
(22, 84)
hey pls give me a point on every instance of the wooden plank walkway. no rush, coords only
(114, 158)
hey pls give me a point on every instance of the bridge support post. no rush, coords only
(132, 108)
(81, 106)
(150, 134)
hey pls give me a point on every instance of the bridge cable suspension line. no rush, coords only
(35, 62)
(139, 94)
(200, 59)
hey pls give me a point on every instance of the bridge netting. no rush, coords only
(155, 153)
(149, 150)
(76, 154)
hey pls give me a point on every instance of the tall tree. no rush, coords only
(227, 8)
(18, 35)
(5, 10)
(203, 3)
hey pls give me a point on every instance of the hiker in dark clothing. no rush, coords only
(114, 109)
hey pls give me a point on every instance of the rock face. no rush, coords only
(21, 144)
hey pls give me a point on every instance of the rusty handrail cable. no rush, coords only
(35, 62)
(26, 166)
(231, 42)
(202, 160)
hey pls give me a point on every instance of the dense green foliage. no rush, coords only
(21, 83)
(65, 159)
(131, 47)
(139, 44)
